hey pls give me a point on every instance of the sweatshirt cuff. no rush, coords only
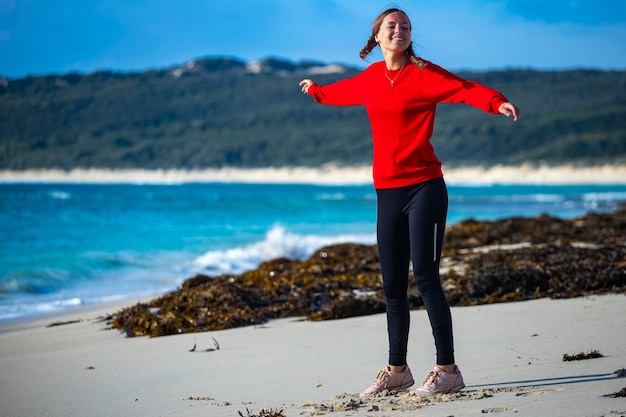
(497, 101)
(312, 90)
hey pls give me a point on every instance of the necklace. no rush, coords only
(393, 80)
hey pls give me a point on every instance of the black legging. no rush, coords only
(410, 225)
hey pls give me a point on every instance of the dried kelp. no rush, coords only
(63, 323)
(266, 412)
(582, 356)
(619, 394)
(483, 262)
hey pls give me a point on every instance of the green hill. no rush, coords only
(220, 112)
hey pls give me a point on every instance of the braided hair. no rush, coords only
(371, 41)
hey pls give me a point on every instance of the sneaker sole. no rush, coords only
(405, 386)
(443, 391)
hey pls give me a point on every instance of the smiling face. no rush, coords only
(394, 34)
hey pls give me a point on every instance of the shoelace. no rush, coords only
(431, 378)
(382, 378)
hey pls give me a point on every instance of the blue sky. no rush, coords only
(59, 36)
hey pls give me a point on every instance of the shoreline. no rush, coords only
(525, 174)
(513, 359)
(311, 368)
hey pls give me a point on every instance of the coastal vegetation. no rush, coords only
(224, 112)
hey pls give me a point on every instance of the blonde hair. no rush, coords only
(371, 41)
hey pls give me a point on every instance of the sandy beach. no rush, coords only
(510, 354)
(327, 174)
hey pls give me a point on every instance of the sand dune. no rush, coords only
(328, 174)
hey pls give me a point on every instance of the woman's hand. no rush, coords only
(305, 84)
(509, 109)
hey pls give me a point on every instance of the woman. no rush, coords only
(400, 95)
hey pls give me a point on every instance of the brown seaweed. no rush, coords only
(63, 323)
(483, 262)
(582, 356)
(266, 412)
(619, 394)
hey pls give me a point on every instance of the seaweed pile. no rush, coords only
(483, 262)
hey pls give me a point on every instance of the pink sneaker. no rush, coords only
(387, 380)
(439, 381)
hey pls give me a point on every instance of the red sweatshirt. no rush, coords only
(402, 116)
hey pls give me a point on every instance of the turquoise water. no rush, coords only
(73, 244)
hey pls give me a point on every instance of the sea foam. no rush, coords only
(278, 242)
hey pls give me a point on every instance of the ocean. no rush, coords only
(66, 245)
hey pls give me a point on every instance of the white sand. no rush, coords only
(327, 174)
(510, 355)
